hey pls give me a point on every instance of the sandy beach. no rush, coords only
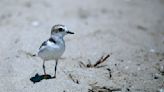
(130, 31)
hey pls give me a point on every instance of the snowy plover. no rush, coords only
(54, 47)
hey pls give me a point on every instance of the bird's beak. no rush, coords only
(69, 32)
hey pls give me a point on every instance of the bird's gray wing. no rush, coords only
(43, 44)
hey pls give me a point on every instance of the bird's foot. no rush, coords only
(54, 76)
(46, 76)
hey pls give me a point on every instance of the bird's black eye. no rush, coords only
(61, 29)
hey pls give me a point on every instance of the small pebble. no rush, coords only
(126, 67)
(138, 68)
(155, 77)
(161, 70)
(161, 90)
(152, 50)
(35, 23)
(128, 89)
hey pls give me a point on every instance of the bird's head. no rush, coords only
(60, 30)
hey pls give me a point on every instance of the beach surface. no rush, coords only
(131, 32)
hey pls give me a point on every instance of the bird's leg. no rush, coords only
(45, 76)
(55, 68)
(44, 68)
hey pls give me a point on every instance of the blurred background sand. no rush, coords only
(131, 31)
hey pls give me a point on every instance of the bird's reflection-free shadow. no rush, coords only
(38, 78)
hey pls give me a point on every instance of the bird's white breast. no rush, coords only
(52, 50)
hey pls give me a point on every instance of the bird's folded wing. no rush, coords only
(43, 44)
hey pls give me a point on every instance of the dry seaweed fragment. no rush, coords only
(81, 64)
(101, 60)
(97, 64)
(73, 79)
(110, 73)
(103, 89)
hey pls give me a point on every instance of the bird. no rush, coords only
(54, 47)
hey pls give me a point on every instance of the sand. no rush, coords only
(130, 31)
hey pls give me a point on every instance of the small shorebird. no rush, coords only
(54, 47)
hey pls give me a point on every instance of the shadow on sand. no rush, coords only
(38, 78)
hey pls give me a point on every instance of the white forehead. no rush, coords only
(63, 27)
